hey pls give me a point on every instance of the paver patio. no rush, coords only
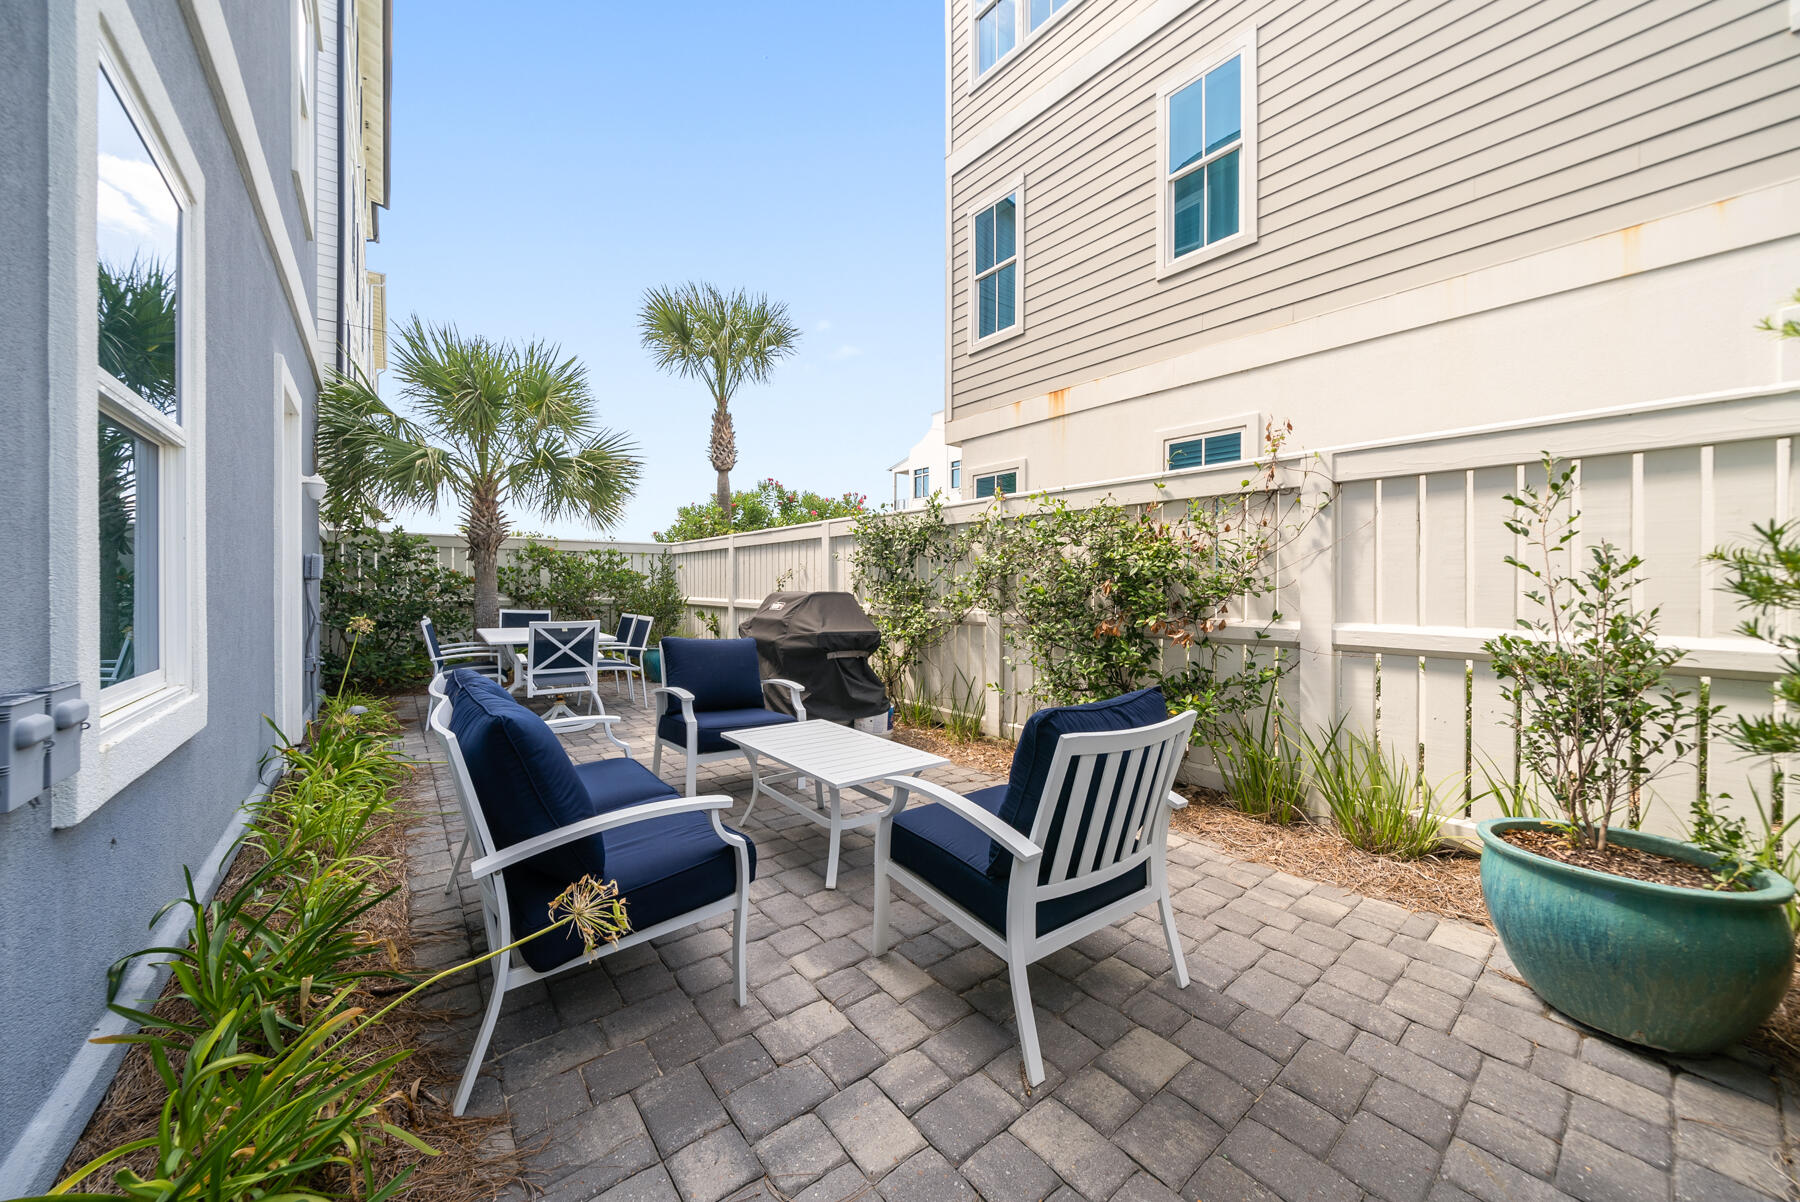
(1330, 1047)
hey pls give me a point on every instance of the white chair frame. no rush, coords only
(548, 632)
(689, 748)
(1137, 833)
(448, 653)
(636, 643)
(110, 668)
(489, 870)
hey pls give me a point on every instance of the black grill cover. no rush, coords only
(822, 641)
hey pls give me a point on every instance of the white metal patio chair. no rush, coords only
(112, 670)
(674, 860)
(562, 658)
(445, 656)
(634, 638)
(1030, 871)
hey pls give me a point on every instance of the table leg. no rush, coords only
(818, 793)
(755, 782)
(837, 833)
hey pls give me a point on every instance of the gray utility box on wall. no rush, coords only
(40, 741)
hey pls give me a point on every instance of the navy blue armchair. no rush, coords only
(540, 823)
(1075, 840)
(711, 686)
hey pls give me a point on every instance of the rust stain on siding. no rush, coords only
(1631, 250)
(1059, 402)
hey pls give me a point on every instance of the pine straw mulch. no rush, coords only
(472, 1162)
(982, 754)
(1447, 883)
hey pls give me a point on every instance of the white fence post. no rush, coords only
(1309, 566)
(731, 587)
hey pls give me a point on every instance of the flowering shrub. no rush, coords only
(769, 504)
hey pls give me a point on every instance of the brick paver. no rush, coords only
(1330, 1046)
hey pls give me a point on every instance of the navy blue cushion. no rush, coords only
(665, 867)
(952, 854)
(1037, 747)
(712, 726)
(522, 776)
(619, 782)
(722, 674)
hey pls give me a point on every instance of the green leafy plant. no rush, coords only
(723, 339)
(497, 425)
(768, 505)
(657, 595)
(393, 579)
(577, 585)
(1264, 773)
(1515, 797)
(903, 566)
(962, 721)
(1588, 676)
(1373, 796)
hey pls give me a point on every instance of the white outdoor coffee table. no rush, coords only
(838, 760)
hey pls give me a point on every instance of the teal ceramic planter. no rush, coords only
(653, 666)
(1684, 970)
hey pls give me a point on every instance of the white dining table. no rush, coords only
(517, 636)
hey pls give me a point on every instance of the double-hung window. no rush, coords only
(956, 473)
(1001, 26)
(996, 292)
(1206, 158)
(921, 482)
(142, 432)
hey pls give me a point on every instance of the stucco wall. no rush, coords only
(78, 898)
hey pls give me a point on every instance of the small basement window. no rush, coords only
(1205, 450)
(988, 484)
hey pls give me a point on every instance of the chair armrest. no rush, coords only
(1177, 801)
(612, 819)
(682, 695)
(583, 721)
(469, 652)
(990, 825)
(796, 691)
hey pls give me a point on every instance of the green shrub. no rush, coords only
(903, 566)
(573, 585)
(394, 579)
(657, 595)
(767, 505)
(1588, 677)
(1373, 796)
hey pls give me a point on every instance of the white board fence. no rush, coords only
(1386, 597)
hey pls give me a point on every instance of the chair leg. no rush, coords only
(883, 833)
(740, 935)
(484, 1035)
(693, 773)
(456, 864)
(1028, 1037)
(656, 758)
(1176, 955)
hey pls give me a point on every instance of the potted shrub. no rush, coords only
(1631, 933)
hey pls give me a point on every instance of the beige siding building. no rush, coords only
(1174, 221)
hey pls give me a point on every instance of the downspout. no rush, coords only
(341, 356)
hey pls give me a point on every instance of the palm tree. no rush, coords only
(721, 339)
(498, 424)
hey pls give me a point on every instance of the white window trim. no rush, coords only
(1023, 36)
(305, 106)
(1241, 43)
(136, 728)
(1251, 424)
(1015, 188)
(972, 474)
(289, 535)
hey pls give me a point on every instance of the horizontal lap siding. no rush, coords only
(1399, 144)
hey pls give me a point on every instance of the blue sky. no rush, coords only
(549, 166)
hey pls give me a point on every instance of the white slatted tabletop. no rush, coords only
(837, 755)
(832, 760)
